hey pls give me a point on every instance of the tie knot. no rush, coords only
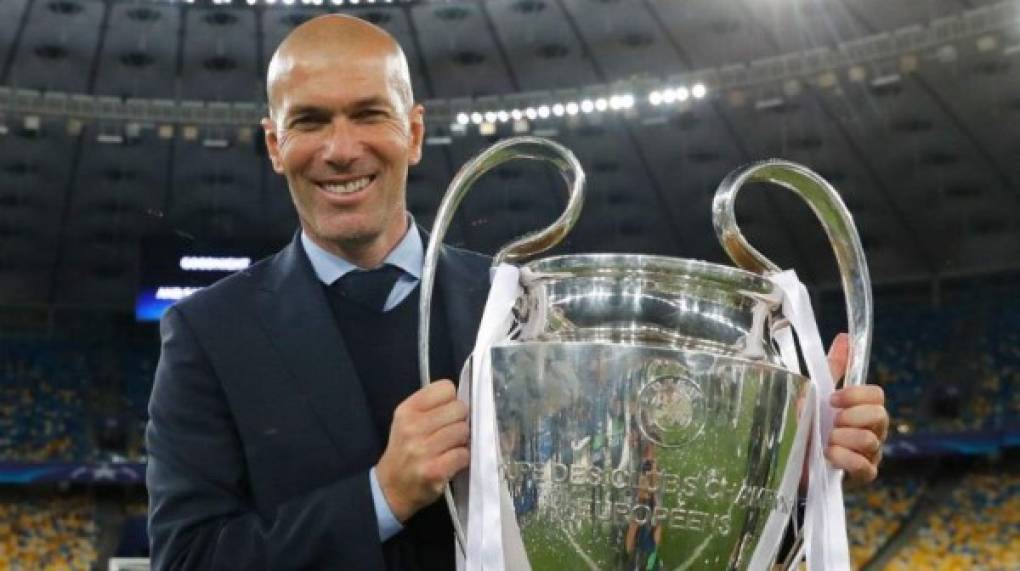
(369, 288)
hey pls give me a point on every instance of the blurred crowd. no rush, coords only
(43, 532)
(67, 402)
(874, 513)
(977, 527)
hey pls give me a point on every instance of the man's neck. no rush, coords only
(365, 254)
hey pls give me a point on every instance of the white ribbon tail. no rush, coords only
(490, 515)
(826, 545)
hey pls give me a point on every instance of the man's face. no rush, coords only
(344, 137)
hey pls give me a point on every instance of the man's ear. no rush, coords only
(417, 117)
(272, 144)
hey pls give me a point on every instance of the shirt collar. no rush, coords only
(408, 255)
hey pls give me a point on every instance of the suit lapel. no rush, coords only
(293, 307)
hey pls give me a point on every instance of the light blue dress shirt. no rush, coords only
(409, 256)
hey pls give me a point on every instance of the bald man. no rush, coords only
(287, 427)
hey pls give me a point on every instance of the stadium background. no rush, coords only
(129, 135)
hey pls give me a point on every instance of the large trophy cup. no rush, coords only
(644, 416)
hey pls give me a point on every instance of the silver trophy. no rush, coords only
(645, 418)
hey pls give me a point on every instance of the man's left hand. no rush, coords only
(861, 422)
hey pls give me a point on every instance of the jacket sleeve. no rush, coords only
(201, 515)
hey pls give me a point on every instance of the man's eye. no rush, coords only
(370, 114)
(304, 122)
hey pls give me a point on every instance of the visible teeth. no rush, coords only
(352, 186)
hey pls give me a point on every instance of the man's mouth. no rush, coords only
(349, 187)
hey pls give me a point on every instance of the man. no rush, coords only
(276, 439)
(287, 429)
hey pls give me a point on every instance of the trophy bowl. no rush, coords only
(644, 419)
(644, 416)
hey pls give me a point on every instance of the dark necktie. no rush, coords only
(368, 288)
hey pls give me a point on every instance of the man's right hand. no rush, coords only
(428, 445)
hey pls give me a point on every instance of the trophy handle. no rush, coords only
(839, 226)
(508, 149)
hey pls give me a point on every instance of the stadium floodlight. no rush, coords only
(463, 118)
(682, 94)
(601, 104)
(572, 108)
(587, 106)
(503, 116)
(543, 111)
(531, 113)
(490, 116)
(558, 110)
(476, 118)
(655, 98)
(517, 114)
(252, 2)
(288, 2)
(624, 101)
(699, 90)
(668, 96)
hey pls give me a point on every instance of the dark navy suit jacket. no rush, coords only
(260, 438)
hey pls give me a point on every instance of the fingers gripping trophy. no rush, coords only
(648, 412)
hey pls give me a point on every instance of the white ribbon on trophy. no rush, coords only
(825, 539)
(493, 537)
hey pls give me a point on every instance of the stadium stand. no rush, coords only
(877, 512)
(976, 527)
(44, 531)
(42, 415)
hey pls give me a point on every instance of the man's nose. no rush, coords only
(342, 145)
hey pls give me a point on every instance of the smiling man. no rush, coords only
(287, 426)
(343, 129)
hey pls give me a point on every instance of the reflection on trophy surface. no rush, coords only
(638, 455)
(645, 417)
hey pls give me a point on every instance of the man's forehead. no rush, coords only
(294, 67)
(306, 76)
